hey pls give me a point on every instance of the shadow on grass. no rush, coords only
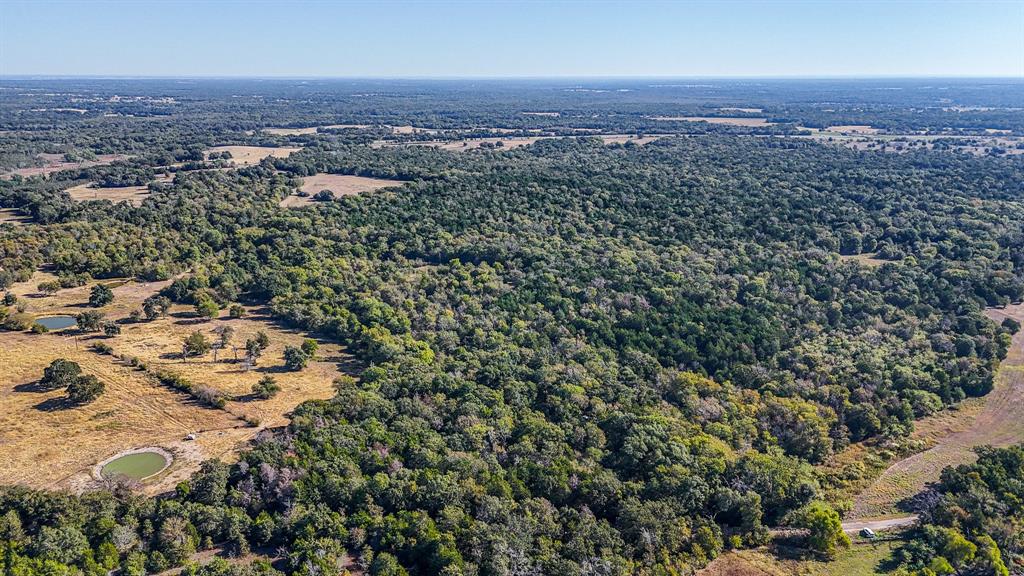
(54, 404)
(36, 387)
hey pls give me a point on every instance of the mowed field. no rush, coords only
(46, 443)
(339, 184)
(251, 155)
(996, 420)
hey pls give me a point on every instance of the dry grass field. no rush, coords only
(339, 184)
(56, 163)
(311, 129)
(853, 129)
(997, 420)
(623, 138)
(132, 194)
(290, 131)
(749, 122)
(45, 443)
(251, 155)
(411, 130)
(864, 259)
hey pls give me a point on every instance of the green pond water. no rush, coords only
(137, 466)
(56, 322)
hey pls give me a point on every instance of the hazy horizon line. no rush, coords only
(44, 76)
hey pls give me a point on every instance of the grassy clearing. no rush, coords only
(996, 420)
(853, 129)
(251, 155)
(132, 194)
(311, 129)
(46, 444)
(339, 184)
(864, 259)
(623, 138)
(56, 163)
(862, 559)
(731, 121)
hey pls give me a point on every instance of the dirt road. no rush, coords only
(879, 525)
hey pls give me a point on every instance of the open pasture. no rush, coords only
(56, 163)
(730, 121)
(339, 184)
(252, 155)
(853, 129)
(132, 194)
(47, 443)
(311, 129)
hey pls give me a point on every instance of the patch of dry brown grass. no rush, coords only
(251, 155)
(55, 163)
(738, 121)
(339, 184)
(45, 444)
(853, 129)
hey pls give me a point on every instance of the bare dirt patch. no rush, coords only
(998, 421)
(252, 155)
(339, 184)
(731, 121)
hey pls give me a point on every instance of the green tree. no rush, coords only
(100, 296)
(294, 358)
(60, 374)
(85, 389)
(207, 308)
(310, 347)
(825, 529)
(196, 344)
(266, 388)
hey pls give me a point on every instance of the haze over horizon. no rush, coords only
(742, 39)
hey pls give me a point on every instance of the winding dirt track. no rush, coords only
(1000, 423)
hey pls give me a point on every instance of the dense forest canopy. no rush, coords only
(578, 358)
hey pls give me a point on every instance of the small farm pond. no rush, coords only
(138, 465)
(56, 322)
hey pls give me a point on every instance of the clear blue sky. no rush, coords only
(489, 38)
